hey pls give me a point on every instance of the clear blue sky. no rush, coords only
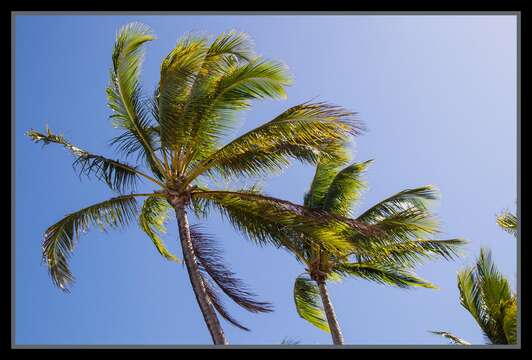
(437, 93)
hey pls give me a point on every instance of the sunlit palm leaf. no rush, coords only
(308, 302)
(302, 132)
(406, 199)
(409, 253)
(345, 188)
(60, 238)
(152, 220)
(486, 294)
(508, 222)
(267, 220)
(326, 170)
(382, 273)
(124, 94)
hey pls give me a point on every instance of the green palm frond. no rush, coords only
(178, 72)
(212, 263)
(454, 339)
(326, 170)
(382, 273)
(400, 226)
(152, 221)
(345, 188)
(308, 302)
(124, 94)
(406, 199)
(508, 222)
(267, 220)
(302, 132)
(59, 239)
(117, 175)
(485, 293)
(409, 253)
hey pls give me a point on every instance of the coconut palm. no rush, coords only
(176, 138)
(385, 256)
(486, 294)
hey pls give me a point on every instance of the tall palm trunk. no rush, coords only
(196, 280)
(336, 333)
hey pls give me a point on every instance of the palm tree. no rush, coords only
(176, 138)
(486, 294)
(385, 256)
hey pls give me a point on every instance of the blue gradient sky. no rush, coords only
(437, 93)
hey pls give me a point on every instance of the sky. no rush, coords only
(436, 93)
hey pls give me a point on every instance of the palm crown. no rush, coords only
(487, 295)
(401, 222)
(176, 136)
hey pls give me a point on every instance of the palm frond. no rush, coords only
(210, 260)
(382, 273)
(60, 238)
(326, 170)
(124, 94)
(308, 302)
(345, 188)
(508, 222)
(178, 74)
(303, 133)
(290, 341)
(117, 175)
(409, 253)
(406, 199)
(217, 303)
(454, 339)
(267, 220)
(152, 221)
(485, 293)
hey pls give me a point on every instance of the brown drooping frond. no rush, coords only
(218, 303)
(209, 256)
(59, 239)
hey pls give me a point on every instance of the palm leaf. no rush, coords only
(455, 339)
(485, 293)
(326, 170)
(345, 188)
(508, 222)
(302, 132)
(308, 302)
(210, 260)
(382, 273)
(404, 200)
(117, 175)
(124, 94)
(151, 220)
(60, 238)
(267, 220)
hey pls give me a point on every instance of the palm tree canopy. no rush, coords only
(401, 224)
(486, 294)
(175, 138)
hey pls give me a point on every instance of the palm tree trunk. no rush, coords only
(336, 333)
(196, 280)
